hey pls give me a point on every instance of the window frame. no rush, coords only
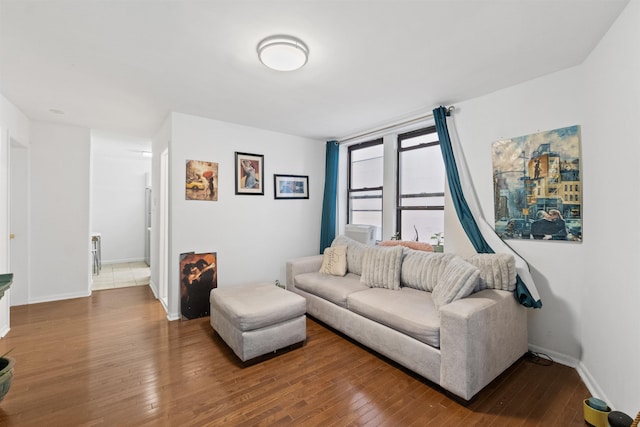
(350, 191)
(399, 208)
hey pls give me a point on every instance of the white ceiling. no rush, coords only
(122, 66)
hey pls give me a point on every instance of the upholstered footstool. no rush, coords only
(258, 318)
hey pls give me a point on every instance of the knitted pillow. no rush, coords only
(457, 281)
(381, 267)
(334, 261)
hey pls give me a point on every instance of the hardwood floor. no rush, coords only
(113, 359)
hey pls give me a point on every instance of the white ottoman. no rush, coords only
(258, 318)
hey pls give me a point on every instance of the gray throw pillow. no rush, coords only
(458, 281)
(381, 267)
(422, 270)
(355, 251)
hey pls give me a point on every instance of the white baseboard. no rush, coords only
(173, 316)
(4, 331)
(563, 359)
(153, 289)
(591, 383)
(122, 261)
(588, 380)
(59, 297)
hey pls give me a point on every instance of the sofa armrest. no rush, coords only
(297, 266)
(480, 337)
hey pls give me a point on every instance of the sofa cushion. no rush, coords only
(497, 271)
(422, 270)
(409, 311)
(458, 280)
(256, 305)
(332, 288)
(355, 252)
(381, 267)
(334, 261)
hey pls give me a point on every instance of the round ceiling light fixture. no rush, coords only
(283, 53)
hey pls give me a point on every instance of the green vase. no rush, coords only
(6, 375)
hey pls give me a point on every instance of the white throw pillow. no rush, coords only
(458, 280)
(334, 261)
(381, 267)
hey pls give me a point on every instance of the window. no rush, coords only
(420, 180)
(366, 169)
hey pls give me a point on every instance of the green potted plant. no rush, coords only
(439, 239)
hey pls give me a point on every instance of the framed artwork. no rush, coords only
(249, 174)
(291, 186)
(538, 186)
(201, 180)
(198, 276)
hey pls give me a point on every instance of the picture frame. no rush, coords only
(201, 182)
(249, 179)
(290, 186)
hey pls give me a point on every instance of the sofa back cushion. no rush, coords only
(381, 267)
(497, 271)
(355, 252)
(422, 270)
(458, 280)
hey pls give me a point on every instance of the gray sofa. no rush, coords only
(461, 345)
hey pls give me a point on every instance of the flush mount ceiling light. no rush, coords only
(283, 53)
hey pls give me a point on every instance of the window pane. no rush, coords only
(367, 167)
(422, 139)
(426, 222)
(422, 201)
(422, 171)
(362, 204)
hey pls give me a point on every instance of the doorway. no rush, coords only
(19, 222)
(120, 171)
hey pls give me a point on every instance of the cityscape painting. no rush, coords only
(537, 186)
(201, 180)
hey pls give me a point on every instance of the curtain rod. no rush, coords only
(391, 126)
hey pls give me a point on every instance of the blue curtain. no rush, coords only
(467, 220)
(329, 207)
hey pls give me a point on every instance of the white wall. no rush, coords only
(611, 292)
(589, 290)
(60, 247)
(252, 235)
(118, 195)
(14, 125)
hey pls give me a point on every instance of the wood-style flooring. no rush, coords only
(114, 360)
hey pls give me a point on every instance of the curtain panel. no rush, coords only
(480, 233)
(329, 202)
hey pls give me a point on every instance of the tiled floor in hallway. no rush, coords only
(121, 275)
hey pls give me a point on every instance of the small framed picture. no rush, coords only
(291, 186)
(249, 174)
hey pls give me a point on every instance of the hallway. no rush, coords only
(122, 275)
